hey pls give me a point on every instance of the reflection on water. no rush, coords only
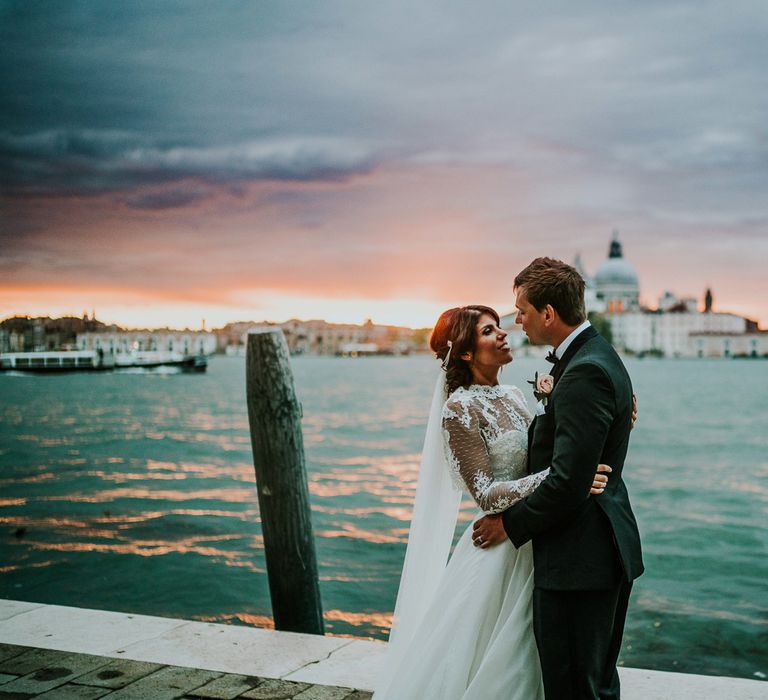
(136, 493)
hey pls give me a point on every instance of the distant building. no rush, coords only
(358, 349)
(323, 338)
(316, 337)
(25, 334)
(591, 302)
(676, 327)
(668, 302)
(125, 342)
(669, 333)
(753, 343)
(616, 283)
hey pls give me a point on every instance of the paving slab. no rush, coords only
(226, 687)
(323, 692)
(8, 651)
(74, 692)
(14, 696)
(166, 684)
(232, 649)
(639, 684)
(356, 665)
(79, 629)
(118, 673)
(53, 673)
(11, 608)
(275, 689)
(289, 664)
(32, 660)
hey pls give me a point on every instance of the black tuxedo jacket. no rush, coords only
(580, 542)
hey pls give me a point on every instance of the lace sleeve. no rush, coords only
(467, 455)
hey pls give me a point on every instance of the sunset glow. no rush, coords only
(396, 168)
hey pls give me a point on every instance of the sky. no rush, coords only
(169, 163)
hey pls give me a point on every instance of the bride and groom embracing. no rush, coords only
(533, 600)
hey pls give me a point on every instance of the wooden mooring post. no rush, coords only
(274, 414)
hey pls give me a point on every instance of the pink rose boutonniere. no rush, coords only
(543, 384)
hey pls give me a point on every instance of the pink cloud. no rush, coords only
(436, 233)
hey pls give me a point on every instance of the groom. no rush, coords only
(586, 549)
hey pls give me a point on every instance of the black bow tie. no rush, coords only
(551, 357)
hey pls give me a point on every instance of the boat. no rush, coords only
(51, 361)
(55, 361)
(149, 359)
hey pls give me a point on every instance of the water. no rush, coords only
(135, 492)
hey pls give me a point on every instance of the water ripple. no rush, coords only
(112, 481)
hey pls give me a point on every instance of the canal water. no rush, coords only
(135, 492)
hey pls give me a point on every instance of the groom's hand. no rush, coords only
(488, 531)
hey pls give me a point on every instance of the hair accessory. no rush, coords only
(447, 359)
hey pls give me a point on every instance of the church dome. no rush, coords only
(616, 270)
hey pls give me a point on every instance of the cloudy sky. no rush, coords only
(169, 162)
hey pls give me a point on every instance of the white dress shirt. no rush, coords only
(560, 349)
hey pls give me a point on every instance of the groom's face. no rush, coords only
(531, 319)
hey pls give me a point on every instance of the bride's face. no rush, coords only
(491, 347)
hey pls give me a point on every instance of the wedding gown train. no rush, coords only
(475, 640)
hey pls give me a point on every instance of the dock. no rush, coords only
(61, 653)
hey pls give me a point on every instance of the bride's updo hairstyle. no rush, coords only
(459, 325)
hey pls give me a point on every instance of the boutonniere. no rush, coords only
(542, 384)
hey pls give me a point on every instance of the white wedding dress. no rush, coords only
(475, 639)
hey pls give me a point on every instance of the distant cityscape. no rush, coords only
(677, 327)
(314, 337)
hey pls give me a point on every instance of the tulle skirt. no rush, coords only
(476, 640)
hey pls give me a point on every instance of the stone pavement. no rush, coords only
(54, 651)
(29, 672)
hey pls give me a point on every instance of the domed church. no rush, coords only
(616, 283)
(676, 327)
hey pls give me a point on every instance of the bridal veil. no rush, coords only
(429, 541)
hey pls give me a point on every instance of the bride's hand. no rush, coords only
(601, 480)
(634, 411)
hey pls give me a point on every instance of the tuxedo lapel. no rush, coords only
(557, 370)
(573, 348)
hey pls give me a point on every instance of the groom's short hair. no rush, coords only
(549, 281)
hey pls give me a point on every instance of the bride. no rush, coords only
(463, 631)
